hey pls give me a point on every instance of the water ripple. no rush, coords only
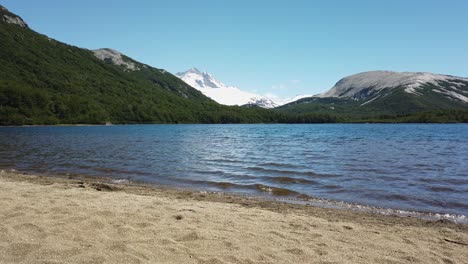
(405, 167)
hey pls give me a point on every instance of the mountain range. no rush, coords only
(221, 93)
(374, 93)
(230, 95)
(45, 81)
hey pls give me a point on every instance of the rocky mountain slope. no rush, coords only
(366, 85)
(386, 92)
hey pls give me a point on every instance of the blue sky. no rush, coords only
(279, 47)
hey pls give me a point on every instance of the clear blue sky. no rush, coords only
(282, 47)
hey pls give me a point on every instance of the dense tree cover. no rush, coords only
(396, 106)
(436, 116)
(43, 81)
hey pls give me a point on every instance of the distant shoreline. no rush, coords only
(344, 123)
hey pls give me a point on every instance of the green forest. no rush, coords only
(46, 82)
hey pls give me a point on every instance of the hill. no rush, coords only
(387, 95)
(45, 81)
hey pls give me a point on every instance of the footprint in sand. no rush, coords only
(278, 234)
(30, 231)
(190, 237)
(144, 225)
(295, 251)
(12, 215)
(320, 252)
(105, 213)
(88, 258)
(17, 252)
(4, 233)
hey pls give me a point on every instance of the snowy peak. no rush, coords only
(262, 102)
(192, 70)
(200, 80)
(367, 84)
(116, 58)
(222, 93)
(10, 18)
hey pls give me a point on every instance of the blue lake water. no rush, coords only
(417, 167)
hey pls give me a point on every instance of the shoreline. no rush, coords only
(266, 201)
(301, 200)
(91, 220)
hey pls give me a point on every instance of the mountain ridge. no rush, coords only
(45, 81)
(375, 81)
(11, 18)
(386, 93)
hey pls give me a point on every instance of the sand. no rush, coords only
(60, 220)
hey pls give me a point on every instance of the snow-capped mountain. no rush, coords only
(386, 93)
(221, 93)
(377, 84)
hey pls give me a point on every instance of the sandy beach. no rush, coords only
(62, 220)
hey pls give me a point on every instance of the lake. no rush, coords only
(413, 167)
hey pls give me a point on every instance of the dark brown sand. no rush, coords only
(59, 220)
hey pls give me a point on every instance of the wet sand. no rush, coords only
(88, 220)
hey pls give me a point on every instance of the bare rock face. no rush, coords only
(116, 58)
(11, 18)
(15, 20)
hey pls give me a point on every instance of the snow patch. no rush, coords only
(368, 83)
(370, 101)
(452, 94)
(283, 101)
(263, 102)
(115, 57)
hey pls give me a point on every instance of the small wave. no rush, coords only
(111, 171)
(456, 182)
(289, 180)
(429, 180)
(397, 197)
(121, 181)
(275, 191)
(441, 189)
(224, 160)
(332, 187)
(364, 169)
(280, 165)
(455, 218)
(223, 185)
(210, 172)
(306, 173)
